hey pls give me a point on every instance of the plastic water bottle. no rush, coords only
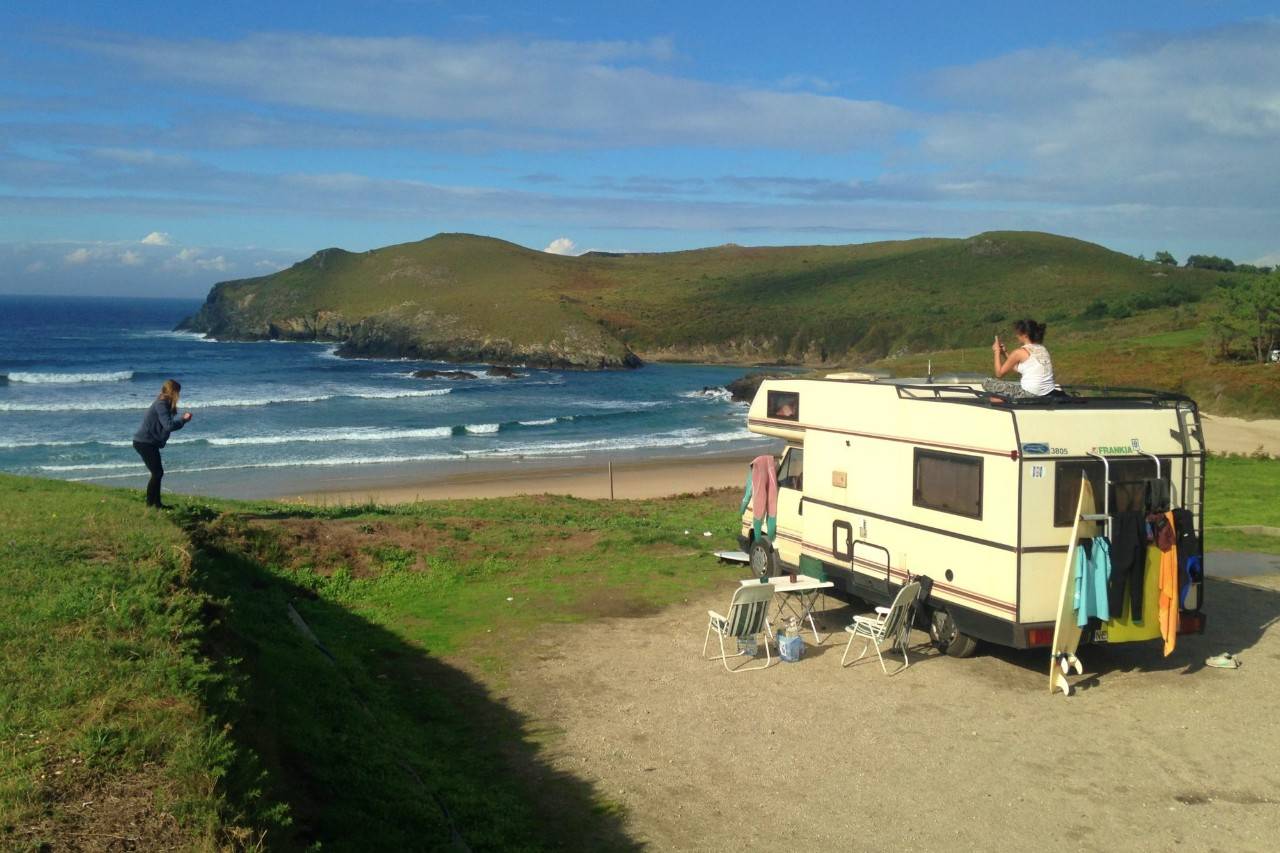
(793, 627)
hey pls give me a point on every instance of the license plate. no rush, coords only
(1100, 635)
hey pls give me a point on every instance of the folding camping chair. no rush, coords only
(748, 617)
(893, 622)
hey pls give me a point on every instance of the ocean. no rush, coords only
(270, 419)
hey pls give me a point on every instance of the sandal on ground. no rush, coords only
(1223, 661)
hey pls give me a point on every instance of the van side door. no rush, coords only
(790, 521)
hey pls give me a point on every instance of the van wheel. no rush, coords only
(764, 560)
(948, 639)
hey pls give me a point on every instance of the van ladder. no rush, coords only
(1192, 435)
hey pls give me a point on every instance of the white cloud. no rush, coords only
(1271, 259)
(157, 238)
(606, 92)
(1192, 120)
(218, 264)
(269, 266)
(188, 255)
(36, 266)
(131, 258)
(562, 246)
(77, 257)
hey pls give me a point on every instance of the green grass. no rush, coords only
(1242, 491)
(370, 749)
(103, 728)
(155, 656)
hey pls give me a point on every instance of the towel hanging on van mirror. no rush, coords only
(1155, 494)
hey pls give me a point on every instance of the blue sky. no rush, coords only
(153, 149)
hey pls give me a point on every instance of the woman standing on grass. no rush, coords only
(1030, 359)
(161, 419)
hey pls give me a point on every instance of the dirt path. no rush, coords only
(1151, 753)
(1236, 435)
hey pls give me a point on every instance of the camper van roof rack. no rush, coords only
(1104, 396)
(924, 391)
(1091, 396)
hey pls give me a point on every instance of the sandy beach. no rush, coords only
(631, 480)
(655, 478)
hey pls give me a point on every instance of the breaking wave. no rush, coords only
(229, 403)
(69, 378)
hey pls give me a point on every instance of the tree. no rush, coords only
(1254, 309)
(1211, 262)
(1163, 257)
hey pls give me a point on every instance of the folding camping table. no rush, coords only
(799, 599)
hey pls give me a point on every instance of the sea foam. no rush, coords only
(70, 378)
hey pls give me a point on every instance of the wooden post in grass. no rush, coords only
(610, 479)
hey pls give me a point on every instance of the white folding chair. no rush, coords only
(892, 623)
(748, 617)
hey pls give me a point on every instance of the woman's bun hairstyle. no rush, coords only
(1033, 330)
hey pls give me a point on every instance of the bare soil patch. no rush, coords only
(114, 812)
(1152, 753)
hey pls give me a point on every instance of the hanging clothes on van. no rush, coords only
(1128, 563)
(1155, 495)
(1093, 570)
(1168, 585)
(762, 493)
(1190, 556)
(1128, 626)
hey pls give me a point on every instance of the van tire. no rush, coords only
(947, 638)
(764, 560)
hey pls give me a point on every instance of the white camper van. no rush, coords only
(885, 479)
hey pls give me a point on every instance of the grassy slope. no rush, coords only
(793, 301)
(366, 748)
(471, 286)
(103, 730)
(373, 746)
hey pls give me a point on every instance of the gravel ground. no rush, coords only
(1150, 754)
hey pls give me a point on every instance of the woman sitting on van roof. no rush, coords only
(1031, 360)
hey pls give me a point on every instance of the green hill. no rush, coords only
(463, 297)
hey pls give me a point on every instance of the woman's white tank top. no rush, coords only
(1036, 370)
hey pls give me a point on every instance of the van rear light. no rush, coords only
(1039, 637)
(1191, 623)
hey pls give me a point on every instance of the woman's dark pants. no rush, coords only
(151, 458)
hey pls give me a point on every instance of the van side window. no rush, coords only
(1128, 476)
(784, 405)
(791, 473)
(948, 482)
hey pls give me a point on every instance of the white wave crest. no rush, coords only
(538, 422)
(327, 462)
(481, 429)
(70, 378)
(721, 394)
(176, 336)
(231, 403)
(96, 466)
(620, 405)
(333, 434)
(692, 437)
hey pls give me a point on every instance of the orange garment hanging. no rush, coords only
(1169, 593)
